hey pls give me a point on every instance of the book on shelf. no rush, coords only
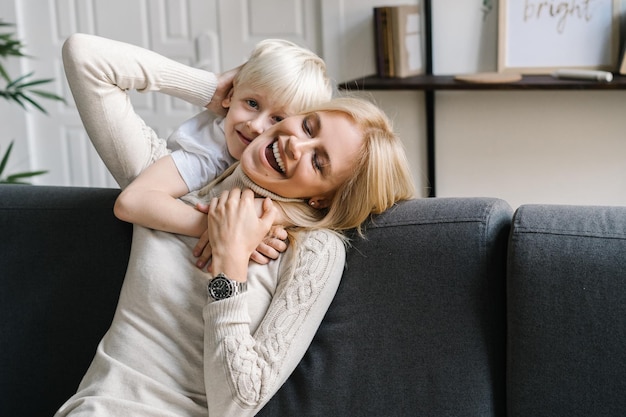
(398, 41)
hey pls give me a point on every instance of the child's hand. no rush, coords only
(224, 86)
(202, 250)
(272, 246)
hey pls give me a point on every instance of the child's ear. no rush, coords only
(226, 101)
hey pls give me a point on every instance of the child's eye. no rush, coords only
(252, 103)
(277, 119)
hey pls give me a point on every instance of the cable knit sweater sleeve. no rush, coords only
(242, 370)
(99, 71)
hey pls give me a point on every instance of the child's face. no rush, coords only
(250, 113)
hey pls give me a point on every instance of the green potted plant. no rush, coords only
(23, 91)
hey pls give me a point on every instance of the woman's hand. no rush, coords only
(269, 249)
(235, 230)
(224, 86)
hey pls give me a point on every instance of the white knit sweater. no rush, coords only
(171, 351)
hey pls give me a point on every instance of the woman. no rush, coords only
(176, 347)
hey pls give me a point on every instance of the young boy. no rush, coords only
(279, 79)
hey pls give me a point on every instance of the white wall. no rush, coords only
(523, 146)
(533, 146)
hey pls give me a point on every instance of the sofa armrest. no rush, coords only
(567, 311)
(63, 259)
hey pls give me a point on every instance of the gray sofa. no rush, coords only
(449, 307)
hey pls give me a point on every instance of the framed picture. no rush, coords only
(538, 36)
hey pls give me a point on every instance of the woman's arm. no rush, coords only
(99, 71)
(243, 370)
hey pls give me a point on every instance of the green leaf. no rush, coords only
(5, 158)
(34, 82)
(46, 94)
(16, 98)
(14, 177)
(4, 74)
(15, 83)
(34, 103)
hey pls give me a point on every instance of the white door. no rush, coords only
(181, 29)
(243, 23)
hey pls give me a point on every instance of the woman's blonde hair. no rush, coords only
(381, 173)
(288, 72)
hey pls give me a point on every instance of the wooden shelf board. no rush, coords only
(445, 82)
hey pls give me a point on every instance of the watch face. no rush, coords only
(220, 288)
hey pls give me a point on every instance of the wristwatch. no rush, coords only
(222, 287)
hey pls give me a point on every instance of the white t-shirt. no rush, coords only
(199, 149)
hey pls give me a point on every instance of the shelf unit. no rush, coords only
(447, 82)
(430, 84)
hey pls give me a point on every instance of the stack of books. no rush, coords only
(398, 41)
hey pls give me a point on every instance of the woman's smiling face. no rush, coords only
(305, 156)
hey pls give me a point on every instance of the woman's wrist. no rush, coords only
(234, 269)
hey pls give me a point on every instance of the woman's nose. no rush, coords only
(295, 147)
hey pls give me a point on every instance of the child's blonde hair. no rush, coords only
(292, 74)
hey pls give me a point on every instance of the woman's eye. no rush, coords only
(252, 103)
(306, 127)
(316, 163)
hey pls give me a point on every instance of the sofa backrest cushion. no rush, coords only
(567, 312)
(417, 326)
(63, 255)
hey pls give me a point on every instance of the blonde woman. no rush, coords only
(189, 342)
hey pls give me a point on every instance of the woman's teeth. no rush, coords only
(279, 160)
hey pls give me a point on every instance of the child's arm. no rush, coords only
(151, 200)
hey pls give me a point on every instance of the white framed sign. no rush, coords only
(539, 36)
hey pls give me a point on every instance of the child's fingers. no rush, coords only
(205, 257)
(202, 207)
(203, 241)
